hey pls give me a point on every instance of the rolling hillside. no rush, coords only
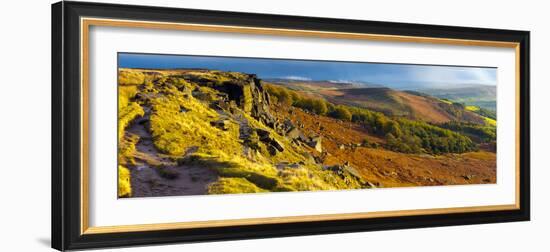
(399, 103)
(483, 96)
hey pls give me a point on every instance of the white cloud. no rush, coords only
(454, 75)
(298, 78)
(342, 81)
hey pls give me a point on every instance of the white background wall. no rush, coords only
(25, 125)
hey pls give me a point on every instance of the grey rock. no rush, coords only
(294, 133)
(316, 143)
(264, 135)
(277, 145)
(221, 124)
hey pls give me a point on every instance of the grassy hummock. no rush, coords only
(124, 188)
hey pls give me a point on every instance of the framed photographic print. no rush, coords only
(180, 125)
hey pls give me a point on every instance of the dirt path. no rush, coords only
(147, 178)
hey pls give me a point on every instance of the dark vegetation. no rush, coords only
(487, 113)
(478, 133)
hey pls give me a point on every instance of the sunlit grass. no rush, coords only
(233, 186)
(490, 121)
(179, 122)
(127, 149)
(124, 188)
(472, 108)
(125, 93)
(126, 115)
(130, 77)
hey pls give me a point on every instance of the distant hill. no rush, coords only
(307, 85)
(399, 103)
(483, 96)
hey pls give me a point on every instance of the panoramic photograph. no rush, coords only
(199, 125)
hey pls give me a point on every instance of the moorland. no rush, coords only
(200, 131)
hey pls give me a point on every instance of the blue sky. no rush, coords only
(401, 76)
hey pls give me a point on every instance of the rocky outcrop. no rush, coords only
(246, 90)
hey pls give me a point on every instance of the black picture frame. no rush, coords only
(66, 141)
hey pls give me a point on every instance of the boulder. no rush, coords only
(277, 145)
(264, 135)
(315, 143)
(287, 125)
(294, 133)
(272, 150)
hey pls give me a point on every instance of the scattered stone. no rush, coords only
(370, 184)
(168, 172)
(281, 165)
(191, 150)
(277, 145)
(287, 125)
(264, 135)
(220, 105)
(272, 150)
(468, 177)
(183, 109)
(342, 147)
(316, 143)
(294, 133)
(294, 165)
(221, 124)
(319, 160)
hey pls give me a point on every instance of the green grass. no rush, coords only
(446, 101)
(476, 109)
